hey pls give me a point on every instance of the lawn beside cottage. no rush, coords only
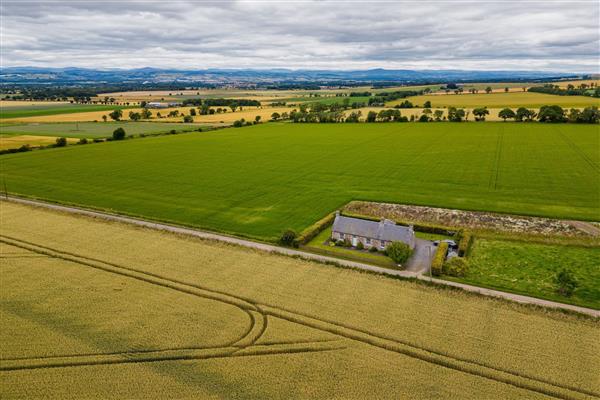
(530, 269)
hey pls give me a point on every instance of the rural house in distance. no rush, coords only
(371, 233)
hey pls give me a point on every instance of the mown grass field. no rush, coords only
(257, 181)
(529, 268)
(92, 309)
(511, 99)
(94, 129)
(52, 108)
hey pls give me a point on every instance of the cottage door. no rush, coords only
(354, 241)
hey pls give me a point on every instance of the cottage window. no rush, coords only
(368, 241)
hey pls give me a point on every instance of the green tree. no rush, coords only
(61, 142)
(275, 116)
(146, 114)
(456, 114)
(193, 112)
(590, 115)
(257, 119)
(427, 104)
(552, 114)
(480, 113)
(488, 89)
(116, 115)
(566, 283)
(288, 238)
(524, 114)
(188, 119)
(371, 116)
(134, 116)
(438, 114)
(506, 113)
(399, 252)
(119, 134)
(104, 118)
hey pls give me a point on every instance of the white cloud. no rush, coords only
(544, 35)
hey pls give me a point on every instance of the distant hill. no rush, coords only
(260, 77)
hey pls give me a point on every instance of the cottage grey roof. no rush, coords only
(385, 230)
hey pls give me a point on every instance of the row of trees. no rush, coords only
(581, 90)
(589, 115)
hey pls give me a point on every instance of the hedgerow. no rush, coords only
(437, 264)
(465, 243)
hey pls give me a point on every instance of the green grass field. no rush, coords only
(22, 111)
(94, 129)
(529, 268)
(257, 181)
(495, 100)
(92, 309)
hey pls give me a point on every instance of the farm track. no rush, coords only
(245, 345)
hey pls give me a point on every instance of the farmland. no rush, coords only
(37, 109)
(257, 181)
(529, 268)
(223, 321)
(94, 129)
(499, 100)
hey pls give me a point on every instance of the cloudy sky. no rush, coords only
(441, 34)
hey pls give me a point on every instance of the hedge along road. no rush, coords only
(303, 254)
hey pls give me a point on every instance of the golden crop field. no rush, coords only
(418, 111)
(11, 142)
(92, 309)
(21, 103)
(501, 100)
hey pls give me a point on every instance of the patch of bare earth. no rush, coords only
(473, 219)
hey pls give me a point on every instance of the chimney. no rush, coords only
(337, 213)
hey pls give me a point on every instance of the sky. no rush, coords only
(562, 36)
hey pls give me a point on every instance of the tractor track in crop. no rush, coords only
(242, 346)
(495, 173)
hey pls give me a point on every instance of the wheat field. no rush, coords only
(92, 309)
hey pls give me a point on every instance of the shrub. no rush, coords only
(347, 243)
(118, 134)
(287, 238)
(437, 263)
(61, 142)
(339, 243)
(360, 246)
(188, 119)
(373, 249)
(399, 252)
(566, 283)
(238, 123)
(465, 243)
(97, 140)
(456, 266)
(82, 141)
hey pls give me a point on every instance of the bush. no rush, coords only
(399, 252)
(360, 246)
(82, 141)
(288, 238)
(566, 283)
(97, 140)
(339, 243)
(61, 142)
(437, 263)
(238, 123)
(118, 134)
(465, 243)
(373, 249)
(456, 266)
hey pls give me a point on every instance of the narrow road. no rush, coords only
(420, 261)
(303, 254)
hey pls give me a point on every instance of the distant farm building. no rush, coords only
(371, 233)
(154, 104)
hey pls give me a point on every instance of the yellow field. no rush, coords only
(92, 309)
(247, 113)
(564, 84)
(11, 142)
(512, 99)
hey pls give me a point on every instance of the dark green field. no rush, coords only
(52, 109)
(529, 268)
(94, 129)
(257, 181)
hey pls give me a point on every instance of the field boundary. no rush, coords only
(307, 256)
